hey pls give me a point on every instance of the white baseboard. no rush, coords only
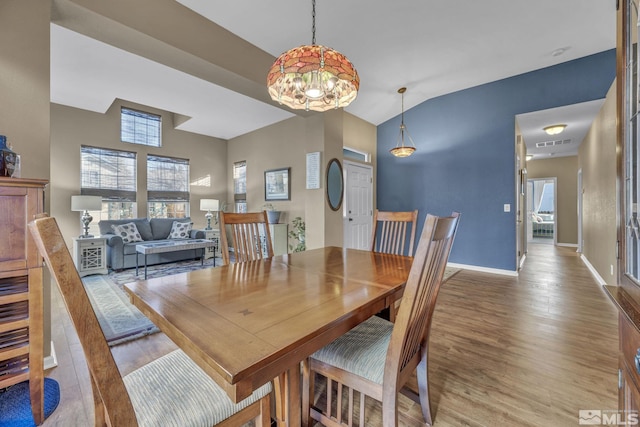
(483, 269)
(593, 271)
(567, 245)
(51, 361)
(522, 258)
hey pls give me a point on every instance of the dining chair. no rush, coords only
(250, 236)
(389, 235)
(390, 232)
(171, 390)
(377, 357)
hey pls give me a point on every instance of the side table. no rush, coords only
(90, 255)
(214, 236)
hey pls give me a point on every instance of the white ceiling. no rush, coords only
(431, 47)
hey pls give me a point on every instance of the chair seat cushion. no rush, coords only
(174, 391)
(361, 351)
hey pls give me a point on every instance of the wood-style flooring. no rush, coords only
(505, 351)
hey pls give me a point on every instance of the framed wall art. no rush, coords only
(277, 184)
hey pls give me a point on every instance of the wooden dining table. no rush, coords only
(246, 324)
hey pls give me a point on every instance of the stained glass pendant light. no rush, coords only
(402, 150)
(313, 77)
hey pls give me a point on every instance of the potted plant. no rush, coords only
(297, 233)
(273, 216)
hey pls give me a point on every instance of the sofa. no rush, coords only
(121, 255)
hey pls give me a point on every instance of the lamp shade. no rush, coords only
(86, 203)
(209, 205)
(313, 77)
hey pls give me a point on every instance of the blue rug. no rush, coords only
(15, 403)
(120, 320)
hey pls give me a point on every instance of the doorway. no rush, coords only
(541, 210)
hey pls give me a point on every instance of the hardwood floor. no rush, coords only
(528, 351)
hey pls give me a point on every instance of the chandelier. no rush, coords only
(313, 77)
(402, 150)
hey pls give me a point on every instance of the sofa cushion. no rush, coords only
(161, 227)
(128, 232)
(142, 224)
(180, 230)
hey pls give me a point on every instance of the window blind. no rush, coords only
(110, 174)
(138, 127)
(167, 179)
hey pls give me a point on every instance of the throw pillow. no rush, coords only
(129, 232)
(180, 230)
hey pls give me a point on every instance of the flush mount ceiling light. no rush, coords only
(402, 150)
(313, 77)
(554, 129)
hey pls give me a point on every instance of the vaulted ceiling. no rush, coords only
(432, 48)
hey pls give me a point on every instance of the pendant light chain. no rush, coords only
(313, 21)
(402, 103)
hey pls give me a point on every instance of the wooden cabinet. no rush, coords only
(279, 239)
(628, 353)
(21, 305)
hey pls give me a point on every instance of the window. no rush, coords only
(138, 127)
(352, 153)
(167, 187)
(240, 186)
(110, 174)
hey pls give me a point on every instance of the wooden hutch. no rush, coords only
(21, 290)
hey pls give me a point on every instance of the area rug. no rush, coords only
(119, 319)
(15, 403)
(160, 270)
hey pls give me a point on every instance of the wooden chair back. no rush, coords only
(410, 336)
(390, 232)
(355, 359)
(113, 405)
(110, 395)
(250, 236)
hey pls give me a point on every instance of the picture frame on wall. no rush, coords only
(277, 184)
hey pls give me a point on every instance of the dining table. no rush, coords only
(249, 323)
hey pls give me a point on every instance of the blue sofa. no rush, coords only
(122, 255)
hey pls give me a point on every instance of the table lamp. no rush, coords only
(209, 205)
(85, 204)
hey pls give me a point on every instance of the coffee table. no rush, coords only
(171, 246)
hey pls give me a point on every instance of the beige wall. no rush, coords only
(597, 159)
(285, 144)
(72, 127)
(24, 82)
(565, 169)
(24, 89)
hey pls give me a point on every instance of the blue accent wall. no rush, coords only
(465, 158)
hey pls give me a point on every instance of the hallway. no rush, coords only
(505, 351)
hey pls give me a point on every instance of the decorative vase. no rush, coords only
(7, 158)
(273, 216)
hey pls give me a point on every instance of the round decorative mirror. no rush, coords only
(334, 184)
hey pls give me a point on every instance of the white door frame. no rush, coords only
(555, 205)
(579, 211)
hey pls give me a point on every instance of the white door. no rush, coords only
(358, 211)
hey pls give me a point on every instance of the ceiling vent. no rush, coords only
(553, 143)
